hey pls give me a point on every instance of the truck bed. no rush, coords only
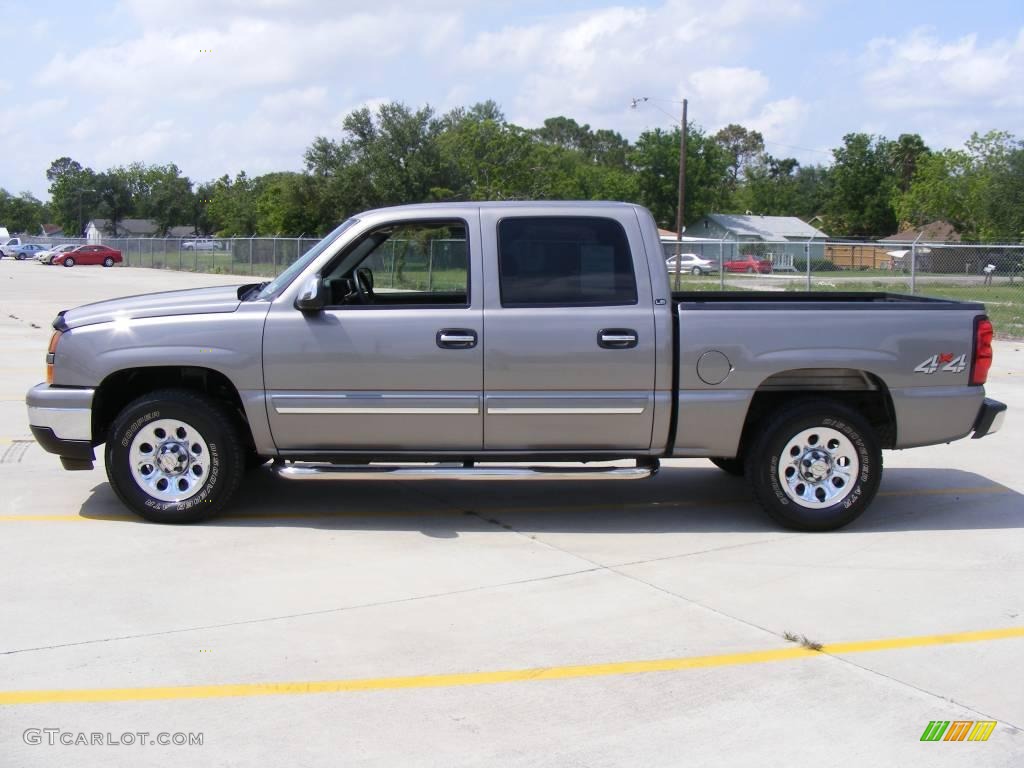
(849, 300)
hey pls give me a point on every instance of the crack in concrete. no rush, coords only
(753, 625)
(305, 614)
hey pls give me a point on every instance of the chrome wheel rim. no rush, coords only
(169, 460)
(818, 467)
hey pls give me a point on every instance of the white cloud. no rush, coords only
(590, 65)
(304, 99)
(150, 140)
(732, 90)
(780, 121)
(46, 107)
(205, 62)
(923, 71)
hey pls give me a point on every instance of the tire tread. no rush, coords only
(233, 453)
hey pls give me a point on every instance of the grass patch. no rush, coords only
(802, 640)
(1004, 303)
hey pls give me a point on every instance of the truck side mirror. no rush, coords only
(312, 296)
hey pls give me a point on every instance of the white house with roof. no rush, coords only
(98, 229)
(780, 238)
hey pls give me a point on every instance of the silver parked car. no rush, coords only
(47, 257)
(692, 263)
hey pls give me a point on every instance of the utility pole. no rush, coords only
(682, 198)
(81, 224)
(682, 180)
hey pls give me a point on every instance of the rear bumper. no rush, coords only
(990, 418)
(61, 422)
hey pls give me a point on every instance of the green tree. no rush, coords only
(979, 189)
(202, 221)
(22, 213)
(782, 187)
(70, 205)
(862, 187)
(904, 156)
(1003, 204)
(742, 148)
(655, 160)
(114, 197)
(484, 158)
(232, 206)
(286, 204)
(939, 189)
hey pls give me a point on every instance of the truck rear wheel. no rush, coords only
(174, 456)
(815, 466)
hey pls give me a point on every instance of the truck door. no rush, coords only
(395, 361)
(569, 358)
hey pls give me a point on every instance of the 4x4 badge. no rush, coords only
(943, 362)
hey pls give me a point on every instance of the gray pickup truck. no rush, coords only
(467, 341)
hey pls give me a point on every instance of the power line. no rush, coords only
(675, 121)
(802, 149)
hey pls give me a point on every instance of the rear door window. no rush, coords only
(564, 261)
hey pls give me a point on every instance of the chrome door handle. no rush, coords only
(456, 338)
(617, 338)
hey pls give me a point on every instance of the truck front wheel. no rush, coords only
(174, 456)
(815, 466)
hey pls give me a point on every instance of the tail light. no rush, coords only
(981, 361)
(50, 354)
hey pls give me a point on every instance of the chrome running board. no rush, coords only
(301, 471)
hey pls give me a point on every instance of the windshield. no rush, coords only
(289, 274)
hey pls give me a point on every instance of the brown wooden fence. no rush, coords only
(856, 256)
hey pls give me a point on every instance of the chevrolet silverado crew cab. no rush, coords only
(467, 341)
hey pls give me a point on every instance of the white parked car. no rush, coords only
(201, 244)
(46, 257)
(692, 263)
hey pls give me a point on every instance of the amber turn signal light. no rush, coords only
(50, 353)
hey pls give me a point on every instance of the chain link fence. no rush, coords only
(990, 273)
(259, 256)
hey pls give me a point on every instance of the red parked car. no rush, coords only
(749, 264)
(89, 254)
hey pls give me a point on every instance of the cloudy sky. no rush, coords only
(219, 86)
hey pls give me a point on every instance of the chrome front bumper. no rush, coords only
(61, 422)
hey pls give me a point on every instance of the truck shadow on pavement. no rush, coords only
(677, 500)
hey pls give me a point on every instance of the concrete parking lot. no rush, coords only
(641, 624)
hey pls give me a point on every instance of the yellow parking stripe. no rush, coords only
(86, 695)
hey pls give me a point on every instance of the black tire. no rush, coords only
(69, 262)
(216, 426)
(750, 270)
(697, 271)
(108, 262)
(730, 466)
(765, 454)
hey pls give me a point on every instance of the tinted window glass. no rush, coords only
(564, 261)
(410, 263)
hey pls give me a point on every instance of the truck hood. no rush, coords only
(194, 301)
